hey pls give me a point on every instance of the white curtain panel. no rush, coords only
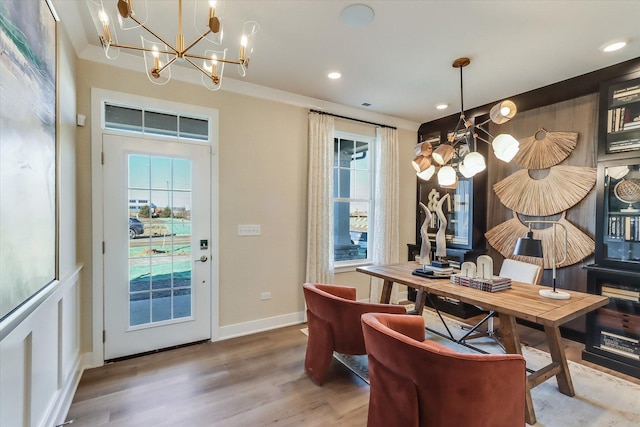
(319, 205)
(386, 232)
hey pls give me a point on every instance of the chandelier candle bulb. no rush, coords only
(104, 19)
(243, 46)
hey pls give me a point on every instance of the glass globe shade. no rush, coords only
(465, 171)
(474, 163)
(427, 173)
(446, 176)
(505, 147)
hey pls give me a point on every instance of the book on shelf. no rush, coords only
(625, 294)
(624, 228)
(627, 144)
(631, 125)
(615, 343)
(626, 94)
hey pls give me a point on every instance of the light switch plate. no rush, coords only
(249, 230)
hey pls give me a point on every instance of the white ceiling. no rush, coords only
(401, 62)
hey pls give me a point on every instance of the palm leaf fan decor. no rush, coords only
(545, 149)
(561, 189)
(503, 238)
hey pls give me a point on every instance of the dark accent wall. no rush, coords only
(570, 105)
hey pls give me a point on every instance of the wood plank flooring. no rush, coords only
(256, 380)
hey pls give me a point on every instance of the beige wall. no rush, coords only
(263, 180)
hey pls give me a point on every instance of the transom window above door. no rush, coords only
(145, 121)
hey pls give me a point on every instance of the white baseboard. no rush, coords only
(247, 328)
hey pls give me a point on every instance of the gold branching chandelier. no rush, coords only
(159, 54)
(451, 158)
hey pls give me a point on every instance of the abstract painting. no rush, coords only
(27, 151)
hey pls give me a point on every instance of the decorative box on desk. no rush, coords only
(613, 332)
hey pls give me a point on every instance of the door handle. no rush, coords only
(203, 258)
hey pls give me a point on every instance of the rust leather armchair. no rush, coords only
(333, 316)
(418, 382)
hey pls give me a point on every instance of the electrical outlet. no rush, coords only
(265, 296)
(249, 230)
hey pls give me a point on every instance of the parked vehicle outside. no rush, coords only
(136, 227)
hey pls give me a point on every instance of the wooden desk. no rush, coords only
(521, 301)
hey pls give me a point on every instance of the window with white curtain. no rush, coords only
(353, 184)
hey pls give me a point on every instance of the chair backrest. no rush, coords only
(336, 307)
(420, 382)
(521, 271)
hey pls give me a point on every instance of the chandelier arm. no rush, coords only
(484, 123)
(202, 70)
(481, 139)
(171, 61)
(484, 130)
(195, 42)
(153, 33)
(145, 49)
(226, 61)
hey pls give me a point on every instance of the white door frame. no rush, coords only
(98, 96)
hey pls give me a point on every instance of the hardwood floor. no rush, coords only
(257, 380)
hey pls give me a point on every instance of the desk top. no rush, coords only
(521, 301)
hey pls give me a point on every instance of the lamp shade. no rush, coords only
(427, 173)
(442, 154)
(474, 163)
(502, 112)
(420, 163)
(505, 147)
(446, 176)
(423, 149)
(528, 246)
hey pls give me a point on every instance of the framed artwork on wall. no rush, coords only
(28, 104)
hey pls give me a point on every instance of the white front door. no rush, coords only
(157, 268)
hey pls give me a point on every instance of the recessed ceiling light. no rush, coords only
(613, 46)
(357, 15)
(442, 106)
(334, 75)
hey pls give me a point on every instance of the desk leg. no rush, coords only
(385, 296)
(511, 342)
(565, 385)
(421, 300)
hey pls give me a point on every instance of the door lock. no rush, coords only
(203, 258)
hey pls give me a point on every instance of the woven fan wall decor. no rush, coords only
(561, 189)
(503, 238)
(545, 149)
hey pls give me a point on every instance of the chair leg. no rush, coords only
(491, 332)
(319, 349)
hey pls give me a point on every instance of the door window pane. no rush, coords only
(160, 258)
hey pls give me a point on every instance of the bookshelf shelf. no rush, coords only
(620, 120)
(613, 332)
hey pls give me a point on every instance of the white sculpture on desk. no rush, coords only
(484, 270)
(425, 247)
(441, 239)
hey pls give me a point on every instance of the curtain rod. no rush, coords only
(354, 120)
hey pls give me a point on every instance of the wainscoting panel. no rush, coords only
(40, 357)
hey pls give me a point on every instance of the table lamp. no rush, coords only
(528, 246)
